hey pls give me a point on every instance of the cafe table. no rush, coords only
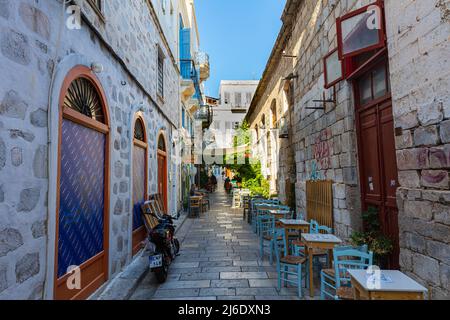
(385, 285)
(318, 241)
(278, 214)
(294, 224)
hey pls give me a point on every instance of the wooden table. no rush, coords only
(293, 224)
(392, 285)
(318, 241)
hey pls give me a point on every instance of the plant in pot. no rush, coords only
(377, 242)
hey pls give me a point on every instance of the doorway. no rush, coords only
(377, 155)
(162, 170)
(139, 182)
(83, 188)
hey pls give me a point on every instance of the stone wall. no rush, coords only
(325, 140)
(126, 45)
(419, 51)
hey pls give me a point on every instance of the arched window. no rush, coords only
(161, 143)
(139, 132)
(83, 97)
(273, 110)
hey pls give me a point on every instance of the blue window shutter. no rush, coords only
(186, 44)
(185, 53)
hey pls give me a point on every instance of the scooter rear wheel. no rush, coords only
(161, 274)
(177, 245)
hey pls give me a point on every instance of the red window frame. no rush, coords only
(382, 34)
(329, 85)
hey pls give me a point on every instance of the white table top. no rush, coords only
(318, 237)
(390, 280)
(278, 211)
(294, 222)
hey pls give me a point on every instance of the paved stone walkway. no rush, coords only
(219, 260)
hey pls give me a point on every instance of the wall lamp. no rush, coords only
(291, 76)
(97, 67)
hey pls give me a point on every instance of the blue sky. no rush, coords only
(238, 35)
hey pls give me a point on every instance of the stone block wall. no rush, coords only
(29, 53)
(325, 140)
(419, 53)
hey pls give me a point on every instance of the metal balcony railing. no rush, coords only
(202, 58)
(190, 71)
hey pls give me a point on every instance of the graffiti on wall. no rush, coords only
(321, 154)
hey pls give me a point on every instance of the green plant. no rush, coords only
(378, 243)
(248, 173)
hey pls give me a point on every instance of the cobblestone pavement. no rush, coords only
(219, 260)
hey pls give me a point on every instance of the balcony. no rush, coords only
(205, 115)
(203, 62)
(190, 74)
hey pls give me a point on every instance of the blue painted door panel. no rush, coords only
(82, 184)
(138, 185)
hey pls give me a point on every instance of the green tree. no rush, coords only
(249, 173)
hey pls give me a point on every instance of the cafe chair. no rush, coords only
(195, 206)
(266, 237)
(335, 282)
(289, 265)
(246, 205)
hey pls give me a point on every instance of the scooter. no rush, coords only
(162, 247)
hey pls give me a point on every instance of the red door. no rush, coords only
(162, 177)
(162, 170)
(377, 156)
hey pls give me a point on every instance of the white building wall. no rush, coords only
(224, 118)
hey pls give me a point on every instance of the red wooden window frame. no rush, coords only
(329, 85)
(382, 32)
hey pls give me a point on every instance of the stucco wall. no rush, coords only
(28, 141)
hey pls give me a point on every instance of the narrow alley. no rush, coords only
(315, 131)
(219, 259)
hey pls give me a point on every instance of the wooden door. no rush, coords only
(139, 182)
(377, 156)
(81, 252)
(162, 177)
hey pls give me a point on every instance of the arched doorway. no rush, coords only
(140, 148)
(162, 170)
(83, 187)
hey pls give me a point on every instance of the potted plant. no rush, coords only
(377, 242)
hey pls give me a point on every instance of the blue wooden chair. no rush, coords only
(266, 226)
(335, 283)
(288, 265)
(254, 211)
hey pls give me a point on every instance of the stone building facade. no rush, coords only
(121, 41)
(325, 139)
